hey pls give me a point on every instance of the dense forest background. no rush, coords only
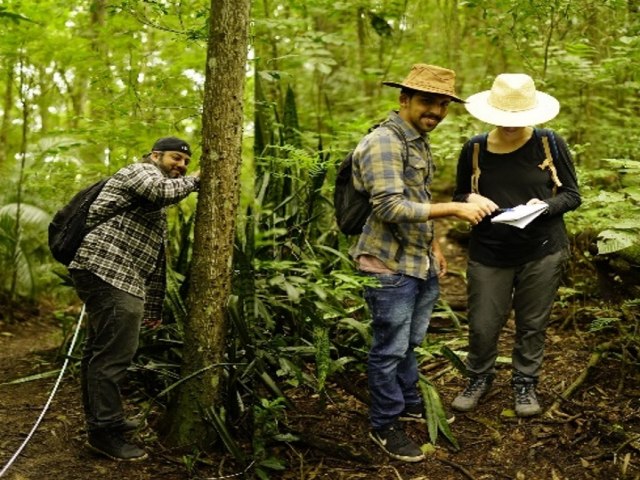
(86, 88)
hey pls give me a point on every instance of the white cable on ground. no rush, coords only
(53, 392)
(233, 475)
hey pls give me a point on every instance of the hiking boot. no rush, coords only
(112, 444)
(478, 387)
(413, 413)
(393, 440)
(526, 400)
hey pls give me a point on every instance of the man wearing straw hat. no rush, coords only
(397, 247)
(517, 267)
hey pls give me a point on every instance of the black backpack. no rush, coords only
(68, 227)
(352, 207)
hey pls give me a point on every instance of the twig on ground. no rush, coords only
(595, 358)
(396, 472)
(458, 467)
(442, 372)
(333, 448)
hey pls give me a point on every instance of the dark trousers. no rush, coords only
(530, 290)
(113, 325)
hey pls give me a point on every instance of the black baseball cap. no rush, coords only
(171, 144)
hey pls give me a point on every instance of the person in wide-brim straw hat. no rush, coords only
(514, 266)
(513, 101)
(398, 249)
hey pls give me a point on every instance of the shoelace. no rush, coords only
(473, 387)
(524, 394)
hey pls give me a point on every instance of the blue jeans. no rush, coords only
(401, 308)
(112, 325)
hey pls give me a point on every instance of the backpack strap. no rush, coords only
(549, 158)
(475, 176)
(401, 135)
(477, 142)
(395, 231)
(110, 215)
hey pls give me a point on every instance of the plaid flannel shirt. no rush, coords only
(398, 232)
(128, 250)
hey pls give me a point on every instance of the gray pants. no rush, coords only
(492, 291)
(113, 325)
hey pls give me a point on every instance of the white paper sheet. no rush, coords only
(520, 216)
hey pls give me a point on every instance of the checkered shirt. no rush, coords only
(127, 251)
(398, 232)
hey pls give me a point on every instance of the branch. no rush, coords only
(595, 358)
(333, 448)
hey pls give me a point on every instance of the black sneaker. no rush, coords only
(413, 413)
(112, 444)
(393, 440)
(478, 387)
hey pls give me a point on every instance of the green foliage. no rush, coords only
(602, 323)
(454, 359)
(622, 322)
(435, 413)
(5, 14)
(322, 348)
(267, 417)
(21, 250)
(99, 85)
(622, 230)
(611, 200)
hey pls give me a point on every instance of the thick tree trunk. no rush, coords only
(210, 278)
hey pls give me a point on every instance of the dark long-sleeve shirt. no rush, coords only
(511, 179)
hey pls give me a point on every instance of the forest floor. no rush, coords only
(593, 435)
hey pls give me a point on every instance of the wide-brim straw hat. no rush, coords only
(513, 101)
(429, 79)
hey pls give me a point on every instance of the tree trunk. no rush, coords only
(7, 108)
(210, 277)
(362, 54)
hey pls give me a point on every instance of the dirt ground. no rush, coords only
(594, 435)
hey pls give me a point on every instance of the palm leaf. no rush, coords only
(436, 416)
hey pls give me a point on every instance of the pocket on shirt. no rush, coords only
(415, 172)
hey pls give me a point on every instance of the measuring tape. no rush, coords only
(51, 395)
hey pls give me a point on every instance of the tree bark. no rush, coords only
(210, 277)
(7, 108)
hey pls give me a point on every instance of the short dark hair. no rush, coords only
(409, 92)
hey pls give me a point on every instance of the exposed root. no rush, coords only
(595, 358)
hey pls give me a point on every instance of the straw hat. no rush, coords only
(430, 79)
(513, 101)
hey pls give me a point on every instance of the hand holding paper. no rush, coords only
(522, 215)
